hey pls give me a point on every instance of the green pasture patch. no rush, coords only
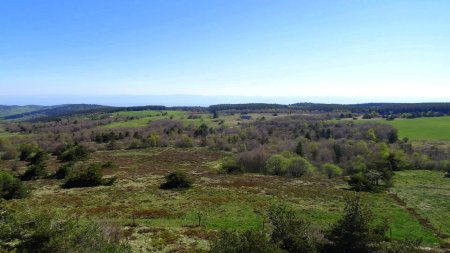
(433, 128)
(402, 224)
(428, 193)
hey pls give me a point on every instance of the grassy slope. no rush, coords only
(427, 192)
(167, 219)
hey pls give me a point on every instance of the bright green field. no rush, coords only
(436, 128)
(427, 192)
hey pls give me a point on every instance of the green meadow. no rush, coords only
(434, 128)
(427, 192)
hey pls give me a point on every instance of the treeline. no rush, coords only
(406, 110)
(250, 106)
(417, 109)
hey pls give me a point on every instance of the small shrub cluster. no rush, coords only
(176, 180)
(37, 167)
(331, 170)
(11, 187)
(28, 150)
(246, 242)
(288, 164)
(185, 141)
(64, 170)
(73, 153)
(231, 166)
(7, 150)
(86, 176)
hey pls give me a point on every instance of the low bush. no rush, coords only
(230, 166)
(9, 153)
(371, 180)
(185, 142)
(40, 157)
(27, 150)
(109, 165)
(276, 165)
(299, 166)
(34, 172)
(254, 160)
(87, 176)
(11, 187)
(64, 170)
(331, 170)
(176, 180)
(292, 233)
(245, 242)
(73, 153)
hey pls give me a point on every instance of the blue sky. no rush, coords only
(394, 50)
